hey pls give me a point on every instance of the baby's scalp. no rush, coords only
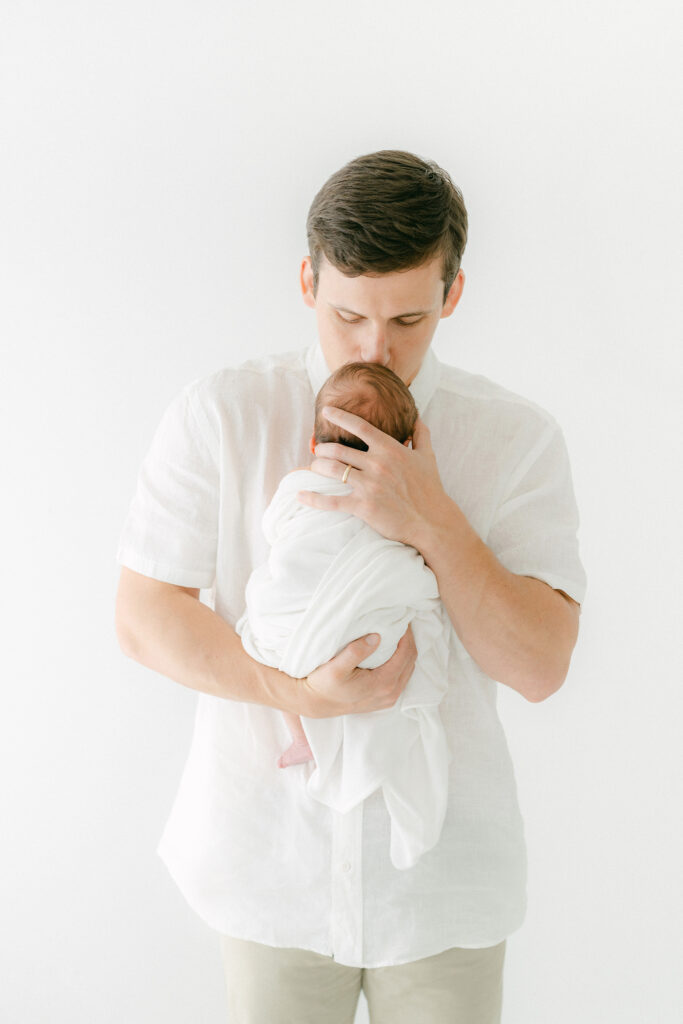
(371, 391)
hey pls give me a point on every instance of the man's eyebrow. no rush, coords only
(418, 312)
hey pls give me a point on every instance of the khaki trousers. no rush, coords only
(267, 985)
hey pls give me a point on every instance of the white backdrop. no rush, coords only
(158, 163)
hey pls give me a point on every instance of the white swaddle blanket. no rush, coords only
(329, 579)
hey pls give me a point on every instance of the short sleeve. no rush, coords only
(171, 529)
(534, 530)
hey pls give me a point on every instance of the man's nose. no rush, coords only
(374, 347)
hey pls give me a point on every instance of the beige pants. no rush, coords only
(294, 986)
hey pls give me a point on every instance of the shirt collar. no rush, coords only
(422, 388)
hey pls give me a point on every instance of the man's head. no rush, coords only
(371, 391)
(386, 236)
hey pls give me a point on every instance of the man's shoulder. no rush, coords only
(474, 394)
(257, 380)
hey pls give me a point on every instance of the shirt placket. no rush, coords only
(346, 926)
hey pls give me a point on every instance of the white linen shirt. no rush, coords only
(254, 855)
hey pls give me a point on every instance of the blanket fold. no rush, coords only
(330, 578)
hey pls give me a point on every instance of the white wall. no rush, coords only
(158, 163)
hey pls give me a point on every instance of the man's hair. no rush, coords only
(369, 390)
(385, 212)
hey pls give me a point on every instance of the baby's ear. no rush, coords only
(312, 444)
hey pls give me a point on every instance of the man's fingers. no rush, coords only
(356, 425)
(407, 644)
(331, 468)
(408, 652)
(324, 502)
(329, 450)
(396, 672)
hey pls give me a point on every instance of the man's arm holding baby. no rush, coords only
(518, 629)
(166, 628)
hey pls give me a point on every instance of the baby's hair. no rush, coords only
(369, 390)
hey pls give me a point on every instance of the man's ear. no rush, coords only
(306, 281)
(454, 294)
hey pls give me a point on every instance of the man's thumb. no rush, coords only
(361, 648)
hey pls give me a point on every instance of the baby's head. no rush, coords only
(369, 390)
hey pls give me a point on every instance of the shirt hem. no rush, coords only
(321, 949)
(575, 590)
(165, 573)
(412, 958)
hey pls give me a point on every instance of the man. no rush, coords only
(308, 905)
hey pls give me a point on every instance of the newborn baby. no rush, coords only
(329, 579)
(379, 396)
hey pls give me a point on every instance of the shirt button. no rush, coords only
(346, 866)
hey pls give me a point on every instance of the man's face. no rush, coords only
(388, 319)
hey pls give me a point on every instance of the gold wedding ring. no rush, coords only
(346, 474)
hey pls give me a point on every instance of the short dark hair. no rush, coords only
(385, 212)
(369, 390)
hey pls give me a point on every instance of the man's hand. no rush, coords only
(396, 490)
(339, 687)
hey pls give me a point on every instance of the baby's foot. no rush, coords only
(298, 753)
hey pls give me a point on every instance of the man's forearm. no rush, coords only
(167, 629)
(519, 630)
